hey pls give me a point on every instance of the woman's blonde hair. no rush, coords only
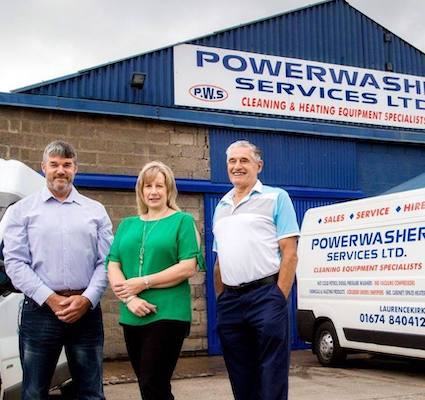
(147, 175)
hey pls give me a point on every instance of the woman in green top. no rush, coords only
(150, 261)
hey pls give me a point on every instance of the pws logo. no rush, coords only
(209, 93)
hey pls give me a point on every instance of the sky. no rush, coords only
(46, 39)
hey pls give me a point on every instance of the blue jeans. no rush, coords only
(41, 339)
(253, 328)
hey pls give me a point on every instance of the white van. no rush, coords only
(361, 277)
(16, 181)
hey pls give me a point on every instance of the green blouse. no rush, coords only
(167, 242)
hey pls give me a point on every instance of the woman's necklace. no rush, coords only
(145, 235)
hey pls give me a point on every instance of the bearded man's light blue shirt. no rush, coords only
(51, 245)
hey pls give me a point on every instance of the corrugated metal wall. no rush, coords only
(297, 160)
(380, 166)
(111, 82)
(291, 159)
(332, 32)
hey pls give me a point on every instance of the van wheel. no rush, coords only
(326, 346)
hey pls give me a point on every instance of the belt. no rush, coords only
(69, 292)
(247, 287)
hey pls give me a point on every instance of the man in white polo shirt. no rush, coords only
(256, 232)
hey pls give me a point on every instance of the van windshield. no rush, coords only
(6, 200)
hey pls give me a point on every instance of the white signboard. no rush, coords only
(249, 82)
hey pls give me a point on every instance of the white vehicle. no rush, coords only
(361, 277)
(16, 181)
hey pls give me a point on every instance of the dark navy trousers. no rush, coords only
(253, 328)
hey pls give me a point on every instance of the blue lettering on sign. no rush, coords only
(352, 255)
(293, 72)
(369, 98)
(391, 83)
(206, 56)
(208, 93)
(403, 235)
(234, 63)
(392, 319)
(316, 72)
(245, 83)
(344, 75)
(307, 91)
(334, 76)
(259, 68)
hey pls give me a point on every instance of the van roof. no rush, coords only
(18, 179)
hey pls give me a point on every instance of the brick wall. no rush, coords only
(116, 145)
(105, 144)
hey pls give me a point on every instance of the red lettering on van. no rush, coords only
(419, 205)
(374, 212)
(333, 218)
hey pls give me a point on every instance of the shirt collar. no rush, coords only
(257, 188)
(73, 197)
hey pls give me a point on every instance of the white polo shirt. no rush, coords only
(246, 236)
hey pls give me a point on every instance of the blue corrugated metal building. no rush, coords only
(319, 159)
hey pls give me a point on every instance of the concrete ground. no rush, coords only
(361, 378)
